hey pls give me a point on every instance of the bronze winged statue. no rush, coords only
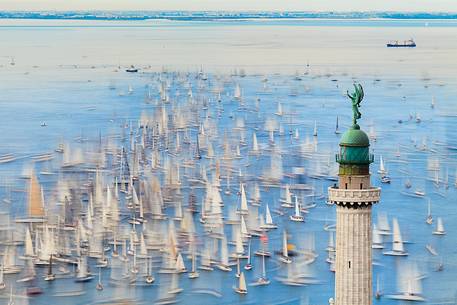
(356, 99)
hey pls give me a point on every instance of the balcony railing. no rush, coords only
(370, 195)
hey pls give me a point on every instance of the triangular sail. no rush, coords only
(397, 240)
(242, 284)
(268, 218)
(285, 251)
(36, 208)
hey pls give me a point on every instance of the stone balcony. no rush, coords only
(358, 197)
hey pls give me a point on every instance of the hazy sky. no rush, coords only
(277, 5)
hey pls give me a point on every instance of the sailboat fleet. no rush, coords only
(204, 182)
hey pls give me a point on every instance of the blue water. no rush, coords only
(77, 102)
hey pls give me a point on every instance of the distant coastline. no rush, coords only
(212, 15)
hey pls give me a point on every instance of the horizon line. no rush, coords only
(233, 11)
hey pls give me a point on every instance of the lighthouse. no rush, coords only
(354, 197)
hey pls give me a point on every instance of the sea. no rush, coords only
(61, 73)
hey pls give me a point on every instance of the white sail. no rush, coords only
(242, 283)
(279, 111)
(180, 263)
(439, 227)
(382, 169)
(383, 223)
(397, 241)
(143, 248)
(268, 218)
(285, 251)
(377, 238)
(244, 202)
(244, 228)
(237, 92)
(331, 242)
(408, 279)
(224, 252)
(239, 244)
(297, 208)
(28, 245)
(255, 144)
(256, 196)
(288, 195)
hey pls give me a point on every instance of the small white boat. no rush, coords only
(397, 242)
(439, 227)
(284, 257)
(419, 193)
(408, 284)
(248, 265)
(269, 224)
(382, 169)
(193, 274)
(377, 239)
(429, 219)
(431, 250)
(378, 292)
(241, 289)
(262, 280)
(297, 215)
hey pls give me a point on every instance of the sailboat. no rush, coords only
(149, 278)
(35, 198)
(11, 301)
(50, 276)
(248, 265)
(243, 201)
(429, 219)
(377, 239)
(378, 292)
(262, 280)
(382, 169)
(337, 131)
(383, 224)
(224, 262)
(194, 273)
(397, 242)
(279, 112)
(408, 283)
(297, 216)
(241, 289)
(286, 202)
(255, 145)
(269, 224)
(83, 274)
(174, 285)
(284, 257)
(331, 243)
(237, 92)
(292, 278)
(99, 285)
(180, 267)
(439, 227)
(315, 129)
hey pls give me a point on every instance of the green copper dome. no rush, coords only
(354, 148)
(355, 137)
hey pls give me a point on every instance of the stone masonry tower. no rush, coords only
(354, 197)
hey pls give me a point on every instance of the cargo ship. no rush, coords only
(405, 44)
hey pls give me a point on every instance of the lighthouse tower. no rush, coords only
(354, 197)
